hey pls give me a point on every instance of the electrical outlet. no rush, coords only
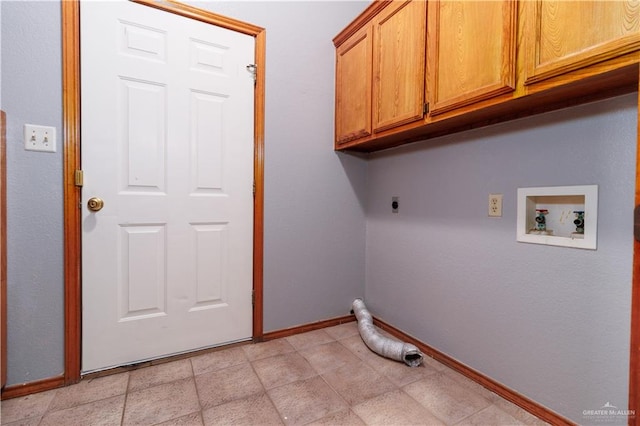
(39, 138)
(495, 205)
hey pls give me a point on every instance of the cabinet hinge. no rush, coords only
(425, 108)
(78, 178)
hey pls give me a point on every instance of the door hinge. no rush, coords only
(253, 298)
(636, 223)
(425, 108)
(78, 178)
(253, 69)
(254, 189)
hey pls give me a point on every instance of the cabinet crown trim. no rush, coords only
(361, 20)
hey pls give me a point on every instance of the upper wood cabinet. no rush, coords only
(563, 36)
(353, 87)
(411, 70)
(472, 51)
(380, 70)
(399, 34)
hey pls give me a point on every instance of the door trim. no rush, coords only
(71, 163)
(634, 361)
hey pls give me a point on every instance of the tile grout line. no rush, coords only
(320, 375)
(195, 385)
(333, 389)
(360, 361)
(297, 351)
(126, 398)
(266, 392)
(420, 404)
(46, 411)
(397, 386)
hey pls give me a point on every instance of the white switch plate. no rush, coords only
(39, 138)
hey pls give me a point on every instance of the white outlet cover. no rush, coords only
(495, 205)
(39, 138)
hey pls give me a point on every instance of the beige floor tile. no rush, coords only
(394, 408)
(491, 415)
(357, 382)
(342, 418)
(306, 401)
(311, 338)
(219, 387)
(161, 403)
(343, 331)
(107, 412)
(267, 349)
(31, 421)
(358, 347)
(193, 419)
(446, 398)
(255, 410)
(431, 362)
(90, 390)
(519, 413)
(218, 360)
(470, 384)
(283, 369)
(329, 356)
(512, 409)
(158, 374)
(26, 407)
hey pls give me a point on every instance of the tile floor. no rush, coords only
(323, 377)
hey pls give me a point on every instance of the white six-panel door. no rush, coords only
(167, 144)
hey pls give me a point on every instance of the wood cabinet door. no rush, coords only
(563, 36)
(399, 64)
(471, 51)
(353, 87)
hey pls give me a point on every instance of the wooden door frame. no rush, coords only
(72, 162)
(634, 358)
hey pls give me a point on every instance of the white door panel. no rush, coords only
(167, 143)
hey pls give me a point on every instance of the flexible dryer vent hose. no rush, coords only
(380, 344)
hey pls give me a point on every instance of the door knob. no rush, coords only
(95, 204)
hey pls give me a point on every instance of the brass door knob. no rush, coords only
(95, 204)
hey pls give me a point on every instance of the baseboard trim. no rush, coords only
(510, 395)
(278, 334)
(23, 389)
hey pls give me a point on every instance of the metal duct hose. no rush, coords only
(382, 345)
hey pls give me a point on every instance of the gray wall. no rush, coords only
(551, 323)
(32, 93)
(314, 264)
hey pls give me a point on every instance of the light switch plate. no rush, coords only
(39, 138)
